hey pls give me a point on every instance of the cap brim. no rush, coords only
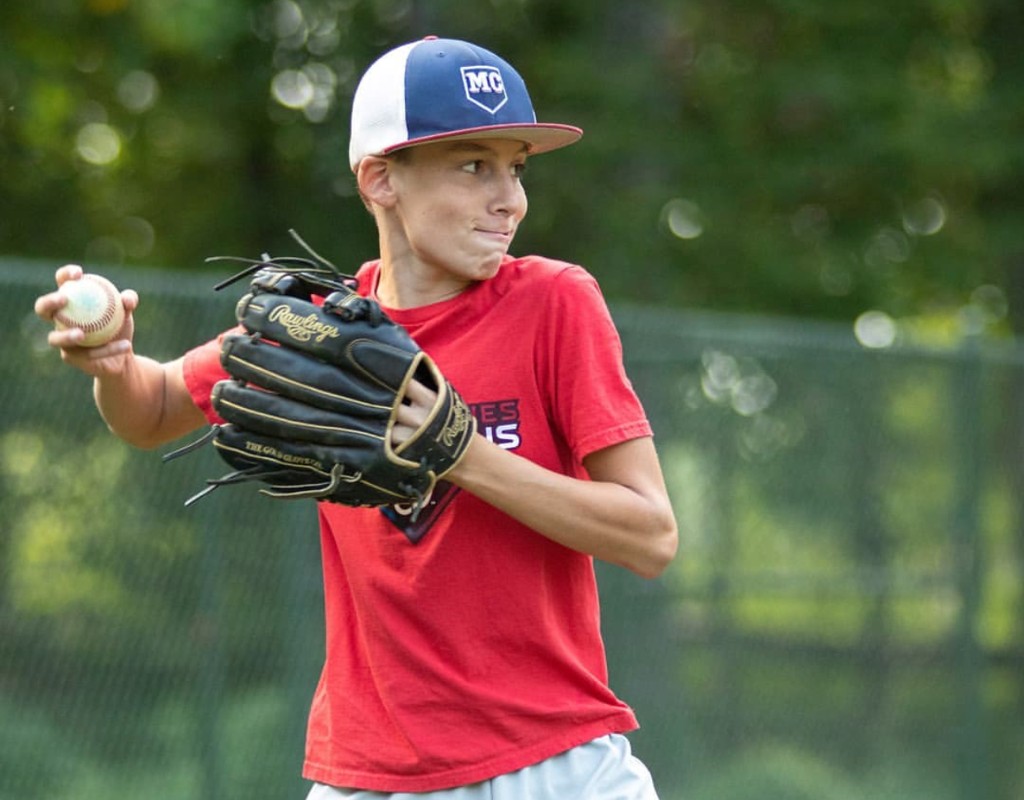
(540, 137)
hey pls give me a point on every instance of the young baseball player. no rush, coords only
(463, 652)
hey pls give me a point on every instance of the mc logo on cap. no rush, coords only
(484, 87)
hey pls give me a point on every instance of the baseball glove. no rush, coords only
(317, 380)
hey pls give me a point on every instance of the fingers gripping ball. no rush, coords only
(314, 398)
(94, 305)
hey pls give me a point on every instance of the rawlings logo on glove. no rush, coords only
(303, 329)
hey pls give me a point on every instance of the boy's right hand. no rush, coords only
(107, 359)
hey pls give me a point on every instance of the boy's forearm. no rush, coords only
(143, 404)
(604, 518)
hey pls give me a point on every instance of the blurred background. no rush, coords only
(807, 219)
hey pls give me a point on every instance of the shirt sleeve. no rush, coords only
(202, 369)
(593, 402)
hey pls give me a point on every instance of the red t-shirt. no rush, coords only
(467, 646)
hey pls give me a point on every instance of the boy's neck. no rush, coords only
(410, 288)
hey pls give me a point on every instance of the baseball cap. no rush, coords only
(440, 89)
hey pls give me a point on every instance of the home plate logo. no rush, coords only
(484, 87)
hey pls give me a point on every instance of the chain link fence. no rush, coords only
(844, 619)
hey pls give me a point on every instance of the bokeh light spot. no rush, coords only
(138, 91)
(925, 217)
(683, 218)
(875, 329)
(98, 143)
(292, 88)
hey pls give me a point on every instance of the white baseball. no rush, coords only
(94, 305)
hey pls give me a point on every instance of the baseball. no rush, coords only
(94, 305)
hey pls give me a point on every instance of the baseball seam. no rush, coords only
(97, 324)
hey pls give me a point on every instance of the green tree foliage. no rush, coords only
(784, 156)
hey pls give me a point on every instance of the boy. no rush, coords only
(464, 656)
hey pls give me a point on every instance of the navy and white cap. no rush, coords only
(440, 89)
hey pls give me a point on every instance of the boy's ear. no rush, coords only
(373, 176)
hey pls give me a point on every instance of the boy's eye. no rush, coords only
(475, 167)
